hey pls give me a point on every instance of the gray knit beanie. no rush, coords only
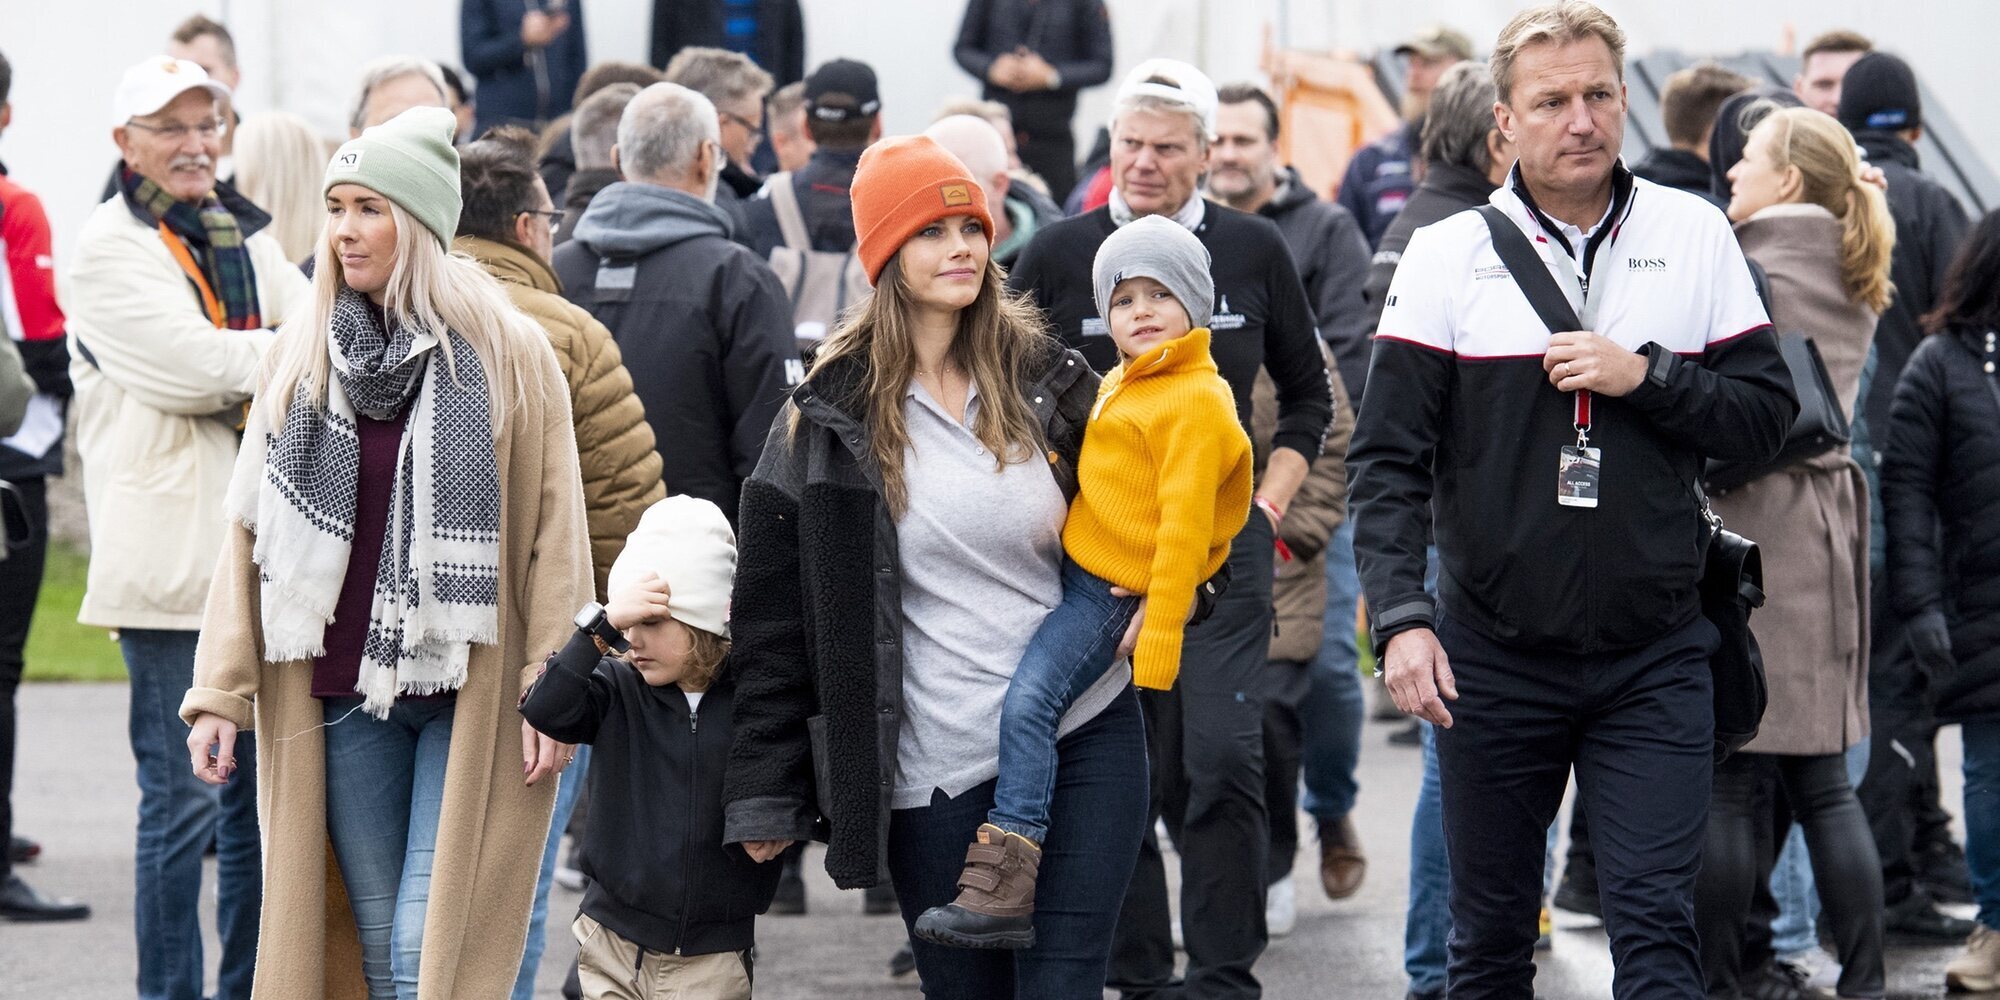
(1159, 248)
(409, 160)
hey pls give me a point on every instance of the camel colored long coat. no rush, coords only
(492, 827)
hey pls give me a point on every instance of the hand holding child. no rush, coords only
(761, 851)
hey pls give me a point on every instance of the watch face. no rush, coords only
(591, 614)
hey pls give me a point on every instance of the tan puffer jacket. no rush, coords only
(1299, 592)
(614, 443)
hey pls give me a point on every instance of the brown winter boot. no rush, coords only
(995, 907)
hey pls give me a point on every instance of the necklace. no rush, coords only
(941, 370)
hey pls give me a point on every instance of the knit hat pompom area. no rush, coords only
(409, 160)
(1159, 248)
(901, 186)
(688, 543)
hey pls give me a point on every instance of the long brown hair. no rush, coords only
(1829, 172)
(998, 334)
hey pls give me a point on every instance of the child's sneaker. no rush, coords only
(995, 907)
(1977, 968)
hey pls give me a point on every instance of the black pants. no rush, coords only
(1742, 849)
(1899, 791)
(1049, 150)
(1207, 742)
(1286, 685)
(20, 584)
(1638, 727)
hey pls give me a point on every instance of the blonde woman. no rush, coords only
(1823, 236)
(900, 542)
(280, 162)
(407, 537)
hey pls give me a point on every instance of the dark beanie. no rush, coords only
(1879, 94)
(1727, 139)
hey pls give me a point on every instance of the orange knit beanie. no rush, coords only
(903, 185)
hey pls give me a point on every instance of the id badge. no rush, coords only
(1578, 476)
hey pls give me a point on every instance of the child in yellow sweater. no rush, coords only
(1163, 487)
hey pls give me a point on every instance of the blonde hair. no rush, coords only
(280, 163)
(429, 288)
(998, 334)
(1558, 23)
(1830, 177)
(705, 654)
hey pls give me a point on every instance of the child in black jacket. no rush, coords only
(670, 909)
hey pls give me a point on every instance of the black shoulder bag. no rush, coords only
(1732, 575)
(1821, 425)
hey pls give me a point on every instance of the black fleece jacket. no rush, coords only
(660, 875)
(1941, 505)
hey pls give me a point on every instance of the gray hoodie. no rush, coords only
(628, 219)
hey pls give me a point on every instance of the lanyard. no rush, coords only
(1587, 315)
(185, 258)
(1582, 422)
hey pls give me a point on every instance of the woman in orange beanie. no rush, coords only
(901, 540)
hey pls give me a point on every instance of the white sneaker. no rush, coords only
(1281, 907)
(1180, 943)
(569, 878)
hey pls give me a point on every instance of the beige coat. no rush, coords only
(614, 443)
(492, 827)
(1810, 521)
(156, 413)
(1298, 594)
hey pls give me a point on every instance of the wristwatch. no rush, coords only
(592, 622)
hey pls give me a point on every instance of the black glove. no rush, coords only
(1930, 640)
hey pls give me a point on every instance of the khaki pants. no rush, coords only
(612, 968)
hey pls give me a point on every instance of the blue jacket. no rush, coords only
(516, 86)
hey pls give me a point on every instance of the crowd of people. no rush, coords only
(988, 516)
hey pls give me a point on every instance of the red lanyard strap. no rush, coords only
(1582, 417)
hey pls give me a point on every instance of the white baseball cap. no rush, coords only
(154, 83)
(1183, 84)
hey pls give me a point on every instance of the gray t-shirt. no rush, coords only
(982, 566)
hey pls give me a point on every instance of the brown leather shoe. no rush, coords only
(995, 907)
(1342, 866)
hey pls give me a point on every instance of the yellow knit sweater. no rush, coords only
(1164, 485)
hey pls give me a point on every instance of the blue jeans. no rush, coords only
(384, 787)
(1097, 818)
(178, 816)
(1072, 649)
(1333, 709)
(1796, 927)
(1982, 816)
(1427, 925)
(567, 792)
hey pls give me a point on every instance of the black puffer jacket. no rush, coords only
(1941, 500)
(817, 619)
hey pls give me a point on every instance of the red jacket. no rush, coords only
(31, 316)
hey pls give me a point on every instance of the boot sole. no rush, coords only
(997, 940)
(1955, 983)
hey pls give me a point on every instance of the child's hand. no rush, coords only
(643, 600)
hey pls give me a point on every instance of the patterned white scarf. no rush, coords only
(437, 586)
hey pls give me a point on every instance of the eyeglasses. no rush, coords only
(213, 128)
(555, 216)
(746, 124)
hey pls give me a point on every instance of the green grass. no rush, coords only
(59, 649)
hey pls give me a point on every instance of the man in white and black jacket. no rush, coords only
(1570, 631)
(1207, 733)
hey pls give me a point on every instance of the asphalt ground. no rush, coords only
(74, 791)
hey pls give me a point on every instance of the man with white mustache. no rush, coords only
(171, 297)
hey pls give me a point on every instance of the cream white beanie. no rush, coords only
(688, 543)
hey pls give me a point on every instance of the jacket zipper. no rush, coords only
(687, 836)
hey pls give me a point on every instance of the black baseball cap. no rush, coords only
(1879, 94)
(842, 90)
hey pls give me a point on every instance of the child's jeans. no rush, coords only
(1072, 649)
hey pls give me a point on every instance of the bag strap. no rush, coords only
(1529, 272)
(785, 205)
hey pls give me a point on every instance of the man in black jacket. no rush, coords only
(1207, 733)
(1880, 104)
(843, 116)
(773, 32)
(703, 324)
(1687, 106)
(1035, 56)
(1561, 470)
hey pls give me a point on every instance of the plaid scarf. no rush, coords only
(215, 236)
(437, 590)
